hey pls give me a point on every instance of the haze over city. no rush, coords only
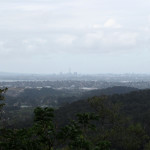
(88, 36)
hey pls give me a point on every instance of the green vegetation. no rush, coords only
(43, 97)
(55, 98)
(2, 91)
(99, 123)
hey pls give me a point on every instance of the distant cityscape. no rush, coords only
(74, 81)
(75, 76)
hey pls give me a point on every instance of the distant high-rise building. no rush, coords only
(75, 73)
(69, 70)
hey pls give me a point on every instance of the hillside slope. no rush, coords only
(135, 104)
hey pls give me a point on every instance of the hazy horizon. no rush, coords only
(87, 36)
(72, 73)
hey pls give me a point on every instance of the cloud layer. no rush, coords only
(33, 29)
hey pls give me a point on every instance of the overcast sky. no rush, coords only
(88, 36)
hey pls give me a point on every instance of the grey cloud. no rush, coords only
(41, 28)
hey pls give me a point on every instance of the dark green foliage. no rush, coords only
(109, 91)
(76, 133)
(43, 115)
(73, 136)
(147, 146)
(103, 145)
(102, 127)
(2, 91)
(85, 118)
(43, 97)
(55, 98)
(44, 128)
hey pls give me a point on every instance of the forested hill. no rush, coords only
(135, 104)
(43, 97)
(109, 91)
(20, 108)
(56, 98)
(96, 119)
(99, 125)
